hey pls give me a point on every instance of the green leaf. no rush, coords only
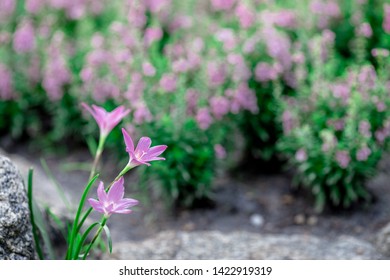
(109, 240)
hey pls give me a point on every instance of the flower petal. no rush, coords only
(102, 195)
(123, 211)
(143, 145)
(117, 191)
(128, 141)
(156, 151)
(96, 205)
(126, 203)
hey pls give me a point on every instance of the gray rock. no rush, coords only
(383, 240)
(16, 241)
(244, 245)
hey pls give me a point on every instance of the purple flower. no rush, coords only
(203, 118)
(265, 72)
(380, 52)
(220, 151)
(143, 153)
(343, 158)
(34, 6)
(148, 69)
(363, 154)
(386, 20)
(365, 30)
(112, 201)
(220, 106)
(24, 38)
(216, 73)
(6, 90)
(301, 155)
(365, 129)
(168, 82)
(152, 34)
(106, 120)
(220, 5)
(245, 15)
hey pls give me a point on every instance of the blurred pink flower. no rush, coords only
(168, 82)
(135, 88)
(244, 98)
(365, 129)
(192, 97)
(287, 122)
(227, 37)
(152, 34)
(386, 18)
(301, 155)
(137, 13)
(148, 69)
(156, 6)
(180, 66)
(106, 120)
(285, 18)
(222, 5)
(143, 153)
(6, 90)
(265, 72)
(7, 7)
(142, 114)
(220, 106)
(34, 6)
(363, 154)
(24, 38)
(203, 118)
(112, 202)
(365, 30)
(380, 52)
(216, 73)
(343, 158)
(220, 151)
(245, 15)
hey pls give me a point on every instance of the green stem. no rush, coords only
(75, 227)
(98, 155)
(97, 234)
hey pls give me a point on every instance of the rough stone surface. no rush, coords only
(16, 241)
(383, 240)
(244, 245)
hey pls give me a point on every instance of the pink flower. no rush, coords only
(343, 158)
(363, 154)
(7, 7)
(365, 129)
(112, 201)
(24, 38)
(245, 15)
(380, 52)
(152, 34)
(203, 118)
(265, 72)
(143, 153)
(220, 151)
(168, 82)
(285, 18)
(106, 120)
(216, 73)
(227, 37)
(142, 114)
(220, 106)
(34, 6)
(386, 20)
(148, 69)
(222, 5)
(6, 91)
(365, 30)
(301, 155)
